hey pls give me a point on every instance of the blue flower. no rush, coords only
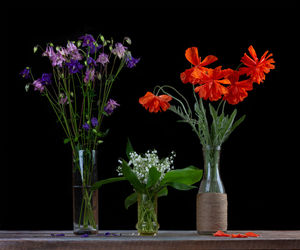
(74, 66)
(88, 40)
(25, 73)
(91, 61)
(131, 61)
(86, 126)
(46, 78)
(94, 122)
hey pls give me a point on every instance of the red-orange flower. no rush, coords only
(155, 103)
(237, 91)
(191, 54)
(211, 83)
(257, 68)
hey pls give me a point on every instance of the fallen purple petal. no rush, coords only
(84, 236)
(108, 234)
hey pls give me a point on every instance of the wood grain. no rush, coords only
(130, 240)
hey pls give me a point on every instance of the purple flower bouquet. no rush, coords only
(78, 89)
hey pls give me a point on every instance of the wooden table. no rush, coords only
(130, 240)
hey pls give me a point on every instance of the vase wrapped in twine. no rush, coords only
(211, 212)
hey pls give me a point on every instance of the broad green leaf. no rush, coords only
(132, 178)
(131, 199)
(188, 175)
(153, 177)
(180, 186)
(129, 148)
(162, 192)
(98, 184)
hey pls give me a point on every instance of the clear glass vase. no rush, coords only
(211, 197)
(211, 180)
(147, 224)
(85, 201)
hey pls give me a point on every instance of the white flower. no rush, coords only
(141, 164)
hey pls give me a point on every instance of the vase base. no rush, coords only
(87, 230)
(81, 232)
(211, 212)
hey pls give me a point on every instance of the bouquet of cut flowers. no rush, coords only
(214, 84)
(78, 89)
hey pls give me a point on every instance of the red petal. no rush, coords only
(221, 234)
(191, 54)
(251, 234)
(208, 60)
(239, 236)
(253, 53)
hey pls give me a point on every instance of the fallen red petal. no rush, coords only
(239, 236)
(221, 234)
(251, 234)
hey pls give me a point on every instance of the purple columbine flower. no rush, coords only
(74, 66)
(46, 78)
(38, 85)
(91, 61)
(87, 40)
(110, 106)
(102, 58)
(131, 61)
(94, 122)
(119, 50)
(89, 75)
(73, 51)
(63, 99)
(56, 58)
(86, 126)
(25, 73)
(94, 49)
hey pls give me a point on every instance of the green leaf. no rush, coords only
(67, 140)
(188, 175)
(153, 177)
(180, 186)
(129, 148)
(237, 123)
(130, 200)
(162, 192)
(132, 178)
(98, 184)
(234, 126)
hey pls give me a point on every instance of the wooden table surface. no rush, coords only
(130, 240)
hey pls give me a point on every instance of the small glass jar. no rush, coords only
(147, 224)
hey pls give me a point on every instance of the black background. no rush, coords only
(259, 164)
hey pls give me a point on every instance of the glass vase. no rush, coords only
(85, 200)
(147, 224)
(211, 197)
